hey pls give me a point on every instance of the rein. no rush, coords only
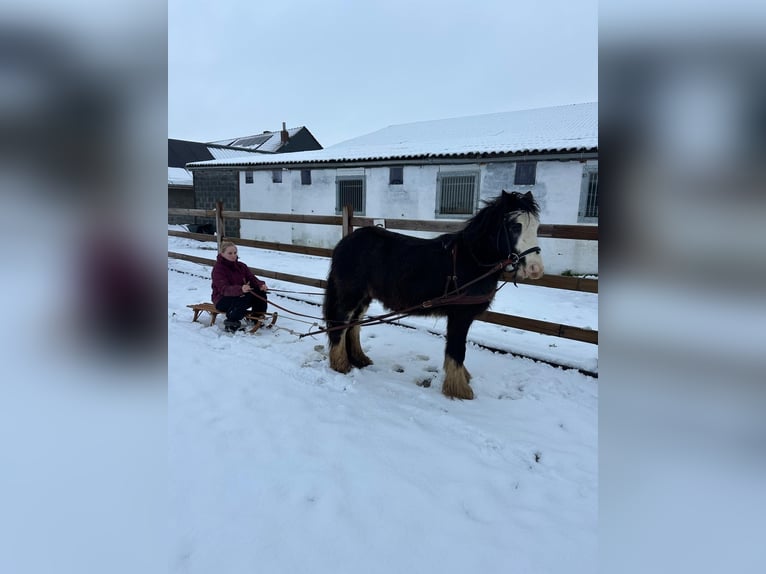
(454, 297)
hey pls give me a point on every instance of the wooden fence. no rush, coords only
(347, 221)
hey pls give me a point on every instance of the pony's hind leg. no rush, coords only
(353, 344)
(335, 318)
(339, 360)
(342, 307)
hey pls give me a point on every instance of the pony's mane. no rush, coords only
(491, 215)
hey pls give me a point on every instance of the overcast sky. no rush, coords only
(344, 68)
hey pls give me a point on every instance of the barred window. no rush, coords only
(350, 190)
(457, 194)
(396, 176)
(305, 177)
(588, 212)
(526, 173)
(248, 177)
(276, 176)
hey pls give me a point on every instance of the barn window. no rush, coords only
(526, 173)
(350, 190)
(396, 176)
(588, 212)
(457, 194)
(305, 177)
(248, 177)
(276, 176)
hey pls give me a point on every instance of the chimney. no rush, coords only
(283, 133)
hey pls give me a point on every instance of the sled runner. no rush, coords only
(266, 320)
(259, 319)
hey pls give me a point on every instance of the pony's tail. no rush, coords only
(330, 298)
(330, 310)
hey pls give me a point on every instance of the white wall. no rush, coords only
(266, 197)
(557, 190)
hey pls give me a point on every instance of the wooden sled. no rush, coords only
(259, 319)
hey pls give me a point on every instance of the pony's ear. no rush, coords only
(506, 199)
(528, 195)
(511, 195)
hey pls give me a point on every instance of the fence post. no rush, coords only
(348, 213)
(219, 225)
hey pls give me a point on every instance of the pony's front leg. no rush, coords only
(456, 377)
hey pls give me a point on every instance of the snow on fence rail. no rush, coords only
(348, 222)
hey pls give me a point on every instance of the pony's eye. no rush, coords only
(516, 228)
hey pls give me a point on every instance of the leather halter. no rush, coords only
(513, 260)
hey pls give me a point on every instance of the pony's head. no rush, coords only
(509, 225)
(522, 218)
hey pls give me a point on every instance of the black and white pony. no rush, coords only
(453, 275)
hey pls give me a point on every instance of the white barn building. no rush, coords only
(439, 169)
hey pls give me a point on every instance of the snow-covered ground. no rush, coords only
(279, 464)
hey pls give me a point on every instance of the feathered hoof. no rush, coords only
(457, 392)
(339, 359)
(456, 378)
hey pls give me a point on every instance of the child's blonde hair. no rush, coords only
(225, 245)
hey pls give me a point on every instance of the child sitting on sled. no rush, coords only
(235, 288)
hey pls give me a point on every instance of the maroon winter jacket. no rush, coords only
(228, 278)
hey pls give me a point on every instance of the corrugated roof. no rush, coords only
(224, 153)
(567, 128)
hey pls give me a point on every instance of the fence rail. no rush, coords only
(556, 231)
(347, 221)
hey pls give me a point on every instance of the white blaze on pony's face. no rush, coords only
(532, 267)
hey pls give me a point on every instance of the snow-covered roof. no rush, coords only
(179, 176)
(268, 142)
(567, 128)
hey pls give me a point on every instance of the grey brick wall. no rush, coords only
(212, 185)
(180, 197)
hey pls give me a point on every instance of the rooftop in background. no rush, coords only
(181, 152)
(285, 141)
(569, 128)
